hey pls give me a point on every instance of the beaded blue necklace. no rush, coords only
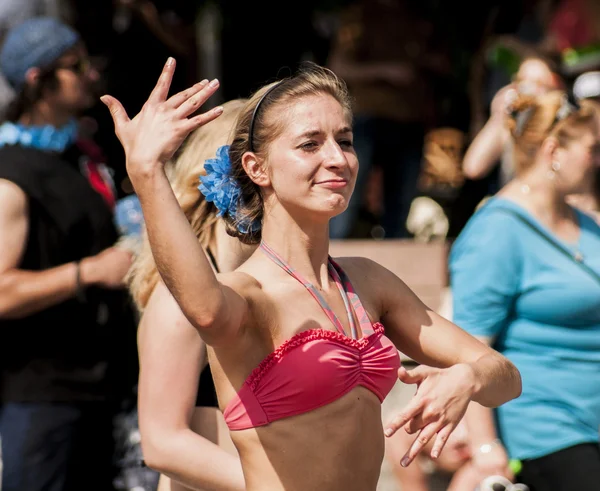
(44, 137)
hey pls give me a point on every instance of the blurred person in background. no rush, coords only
(512, 31)
(488, 164)
(386, 52)
(66, 322)
(586, 90)
(525, 278)
(183, 432)
(492, 145)
(12, 13)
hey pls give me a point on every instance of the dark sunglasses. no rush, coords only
(80, 67)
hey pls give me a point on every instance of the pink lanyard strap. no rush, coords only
(346, 290)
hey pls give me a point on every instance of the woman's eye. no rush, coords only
(308, 146)
(345, 143)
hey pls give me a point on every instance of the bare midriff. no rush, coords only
(338, 447)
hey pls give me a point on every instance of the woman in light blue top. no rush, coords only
(525, 277)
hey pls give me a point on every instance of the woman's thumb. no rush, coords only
(116, 109)
(414, 376)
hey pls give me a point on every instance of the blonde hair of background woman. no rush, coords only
(183, 172)
(541, 120)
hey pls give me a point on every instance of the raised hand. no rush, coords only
(502, 100)
(152, 137)
(441, 401)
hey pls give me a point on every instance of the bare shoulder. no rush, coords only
(165, 337)
(162, 310)
(12, 198)
(374, 281)
(14, 223)
(364, 270)
(367, 277)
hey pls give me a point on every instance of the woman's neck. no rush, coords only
(42, 114)
(304, 246)
(539, 193)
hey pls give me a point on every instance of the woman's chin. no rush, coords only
(337, 201)
(336, 204)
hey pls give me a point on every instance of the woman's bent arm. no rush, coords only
(172, 356)
(431, 340)
(150, 140)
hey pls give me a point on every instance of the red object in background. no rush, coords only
(571, 27)
(96, 170)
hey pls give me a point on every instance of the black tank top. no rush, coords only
(207, 395)
(69, 351)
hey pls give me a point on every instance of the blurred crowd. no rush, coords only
(475, 124)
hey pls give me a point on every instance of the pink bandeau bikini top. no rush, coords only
(317, 366)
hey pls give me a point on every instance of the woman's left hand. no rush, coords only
(439, 404)
(153, 136)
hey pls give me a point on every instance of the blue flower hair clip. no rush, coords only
(219, 187)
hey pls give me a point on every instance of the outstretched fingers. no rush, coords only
(413, 408)
(192, 123)
(422, 439)
(176, 100)
(161, 89)
(192, 103)
(440, 440)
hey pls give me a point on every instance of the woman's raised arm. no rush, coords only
(150, 139)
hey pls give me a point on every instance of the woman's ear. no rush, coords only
(255, 169)
(32, 76)
(550, 149)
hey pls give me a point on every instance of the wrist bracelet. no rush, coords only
(488, 447)
(79, 289)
